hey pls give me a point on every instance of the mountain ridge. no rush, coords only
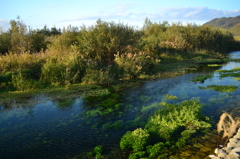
(230, 23)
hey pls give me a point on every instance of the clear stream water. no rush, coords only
(49, 130)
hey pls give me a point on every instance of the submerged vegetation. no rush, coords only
(220, 88)
(202, 78)
(167, 130)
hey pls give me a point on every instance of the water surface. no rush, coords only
(44, 128)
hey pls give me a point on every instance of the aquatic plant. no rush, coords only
(201, 78)
(169, 96)
(98, 151)
(118, 124)
(220, 88)
(214, 65)
(136, 140)
(66, 103)
(169, 128)
(150, 108)
(166, 121)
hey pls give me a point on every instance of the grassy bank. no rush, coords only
(104, 54)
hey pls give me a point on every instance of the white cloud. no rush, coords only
(4, 25)
(130, 12)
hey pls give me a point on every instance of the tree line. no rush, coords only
(102, 53)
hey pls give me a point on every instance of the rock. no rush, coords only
(222, 154)
(231, 144)
(227, 149)
(212, 156)
(233, 140)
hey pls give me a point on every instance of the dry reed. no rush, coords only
(228, 126)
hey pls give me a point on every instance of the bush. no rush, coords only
(64, 69)
(98, 76)
(21, 82)
(134, 64)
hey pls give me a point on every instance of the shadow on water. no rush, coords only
(46, 128)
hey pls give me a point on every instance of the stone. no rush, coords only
(233, 140)
(222, 154)
(227, 149)
(231, 144)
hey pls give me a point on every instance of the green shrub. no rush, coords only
(134, 64)
(98, 76)
(64, 69)
(23, 83)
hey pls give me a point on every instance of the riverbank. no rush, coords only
(166, 70)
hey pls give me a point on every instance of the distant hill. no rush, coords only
(232, 24)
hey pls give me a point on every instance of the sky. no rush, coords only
(62, 13)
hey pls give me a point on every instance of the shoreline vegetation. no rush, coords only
(107, 57)
(104, 54)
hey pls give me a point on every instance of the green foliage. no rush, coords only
(137, 155)
(98, 76)
(106, 52)
(185, 135)
(135, 64)
(169, 96)
(152, 107)
(118, 124)
(21, 82)
(135, 140)
(202, 78)
(230, 73)
(166, 121)
(62, 69)
(169, 128)
(98, 149)
(66, 103)
(221, 88)
(5, 42)
(105, 39)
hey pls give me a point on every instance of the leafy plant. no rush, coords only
(201, 78)
(220, 88)
(169, 96)
(136, 140)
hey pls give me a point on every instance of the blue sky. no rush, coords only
(62, 13)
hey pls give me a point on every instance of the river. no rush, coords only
(45, 128)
